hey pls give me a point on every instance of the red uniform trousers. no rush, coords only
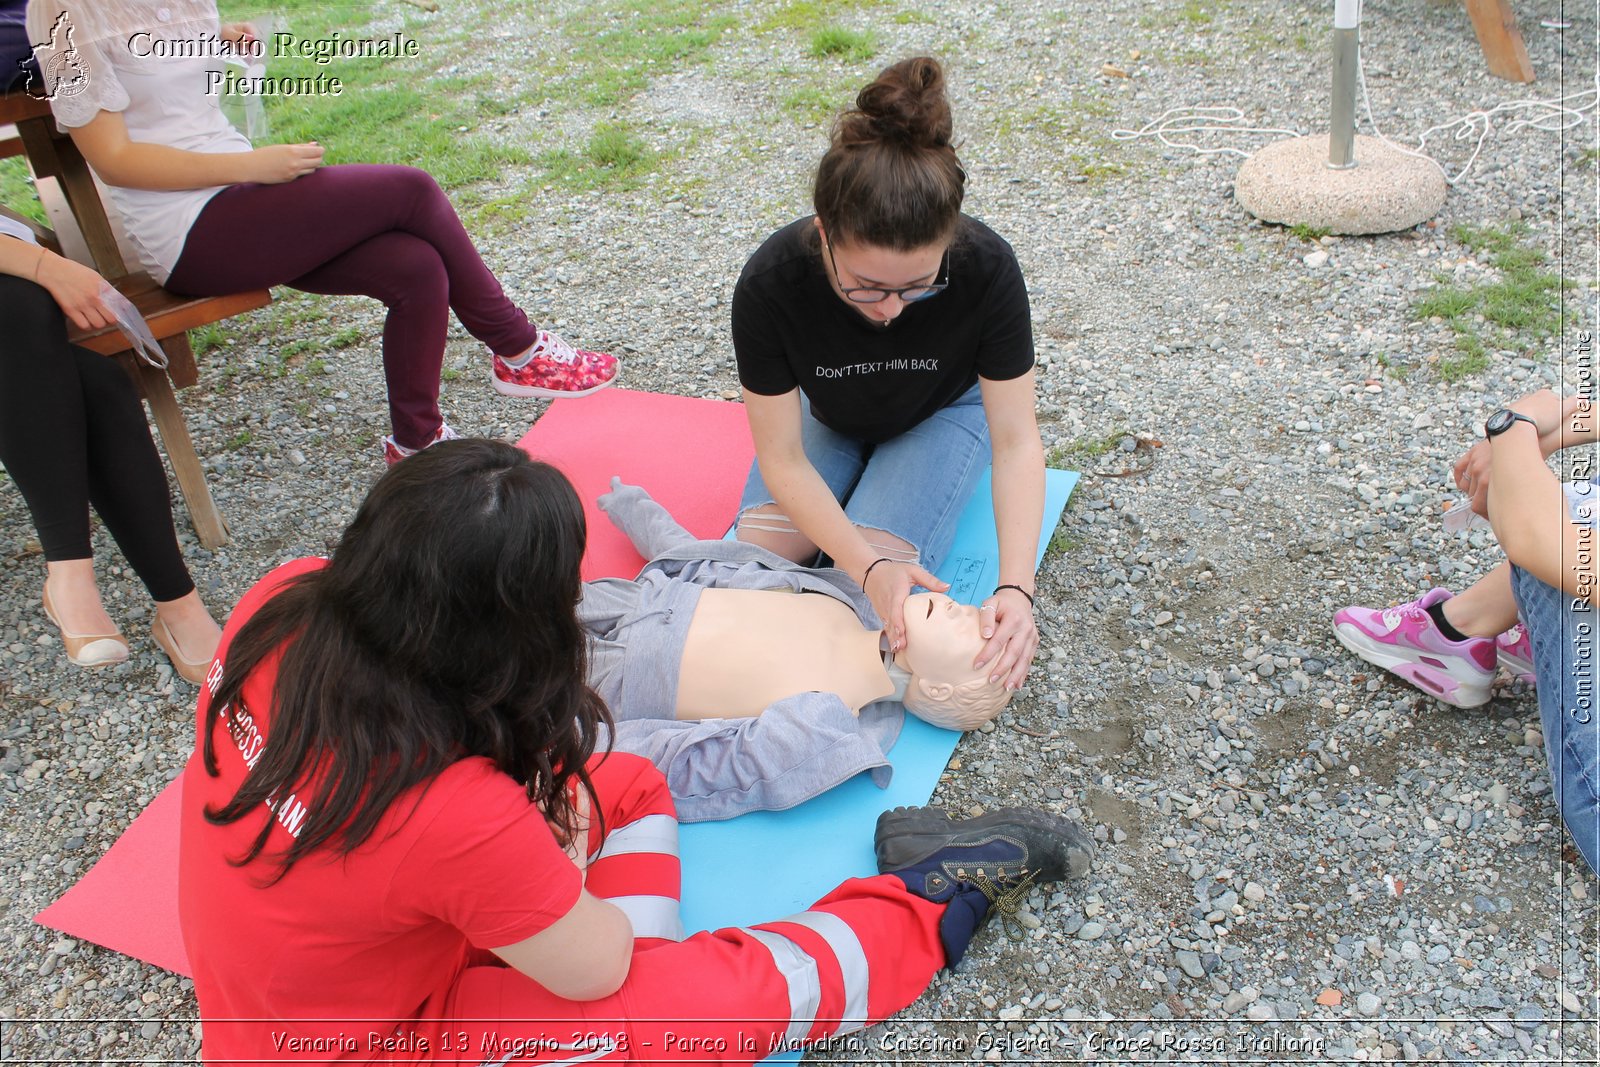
(736, 995)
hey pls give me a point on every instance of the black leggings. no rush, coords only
(72, 433)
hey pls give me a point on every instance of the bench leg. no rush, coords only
(1496, 26)
(208, 523)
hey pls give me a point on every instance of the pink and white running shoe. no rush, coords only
(1404, 641)
(1515, 653)
(554, 370)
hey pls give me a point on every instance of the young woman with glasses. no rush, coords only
(883, 343)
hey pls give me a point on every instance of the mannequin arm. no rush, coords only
(647, 524)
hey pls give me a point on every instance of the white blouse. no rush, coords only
(12, 228)
(156, 62)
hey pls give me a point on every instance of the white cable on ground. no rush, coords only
(1554, 114)
(1565, 111)
(1201, 119)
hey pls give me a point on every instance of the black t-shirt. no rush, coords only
(873, 382)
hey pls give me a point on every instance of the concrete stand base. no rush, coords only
(1290, 182)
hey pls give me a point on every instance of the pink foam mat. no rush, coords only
(692, 455)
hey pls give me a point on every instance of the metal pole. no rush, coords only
(1342, 126)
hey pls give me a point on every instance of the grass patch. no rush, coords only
(1095, 168)
(1192, 15)
(812, 105)
(1517, 311)
(803, 15)
(852, 45)
(614, 158)
(388, 110)
(203, 339)
(1062, 542)
(16, 190)
(449, 374)
(238, 441)
(1473, 359)
(913, 18)
(1308, 233)
(1081, 448)
(1393, 368)
(620, 47)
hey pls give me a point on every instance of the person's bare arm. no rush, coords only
(118, 160)
(1018, 512)
(584, 955)
(1575, 426)
(1528, 508)
(775, 426)
(74, 287)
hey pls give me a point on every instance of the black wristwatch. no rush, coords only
(1503, 420)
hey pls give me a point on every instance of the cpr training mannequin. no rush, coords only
(714, 629)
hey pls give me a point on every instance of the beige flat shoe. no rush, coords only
(88, 650)
(189, 670)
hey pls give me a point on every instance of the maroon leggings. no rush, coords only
(373, 230)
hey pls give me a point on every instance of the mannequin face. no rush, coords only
(942, 639)
(853, 265)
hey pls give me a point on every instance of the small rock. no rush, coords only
(1090, 931)
(1330, 998)
(1368, 1004)
(1316, 259)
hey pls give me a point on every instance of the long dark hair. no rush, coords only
(443, 627)
(890, 177)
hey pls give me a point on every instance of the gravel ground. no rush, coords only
(1303, 859)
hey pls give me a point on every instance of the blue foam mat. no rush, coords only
(768, 864)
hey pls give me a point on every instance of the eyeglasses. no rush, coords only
(910, 294)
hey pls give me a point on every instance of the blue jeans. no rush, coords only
(1562, 630)
(913, 486)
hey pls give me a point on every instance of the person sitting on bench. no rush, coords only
(72, 436)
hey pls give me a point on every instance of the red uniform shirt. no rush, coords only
(325, 963)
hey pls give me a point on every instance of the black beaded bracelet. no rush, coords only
(874, 563)
(1019, 589)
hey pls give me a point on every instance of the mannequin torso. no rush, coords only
(749, 648)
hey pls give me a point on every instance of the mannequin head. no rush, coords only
(942, 640)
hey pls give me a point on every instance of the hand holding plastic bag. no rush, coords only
(133, 326)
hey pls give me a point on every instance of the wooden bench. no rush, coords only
(84, 231)
(1503, 48)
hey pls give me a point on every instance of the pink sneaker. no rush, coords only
(556, 370)
(1515, 653)
(394, 451)
(1405, 641)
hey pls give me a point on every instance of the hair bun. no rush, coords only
(905, 104)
